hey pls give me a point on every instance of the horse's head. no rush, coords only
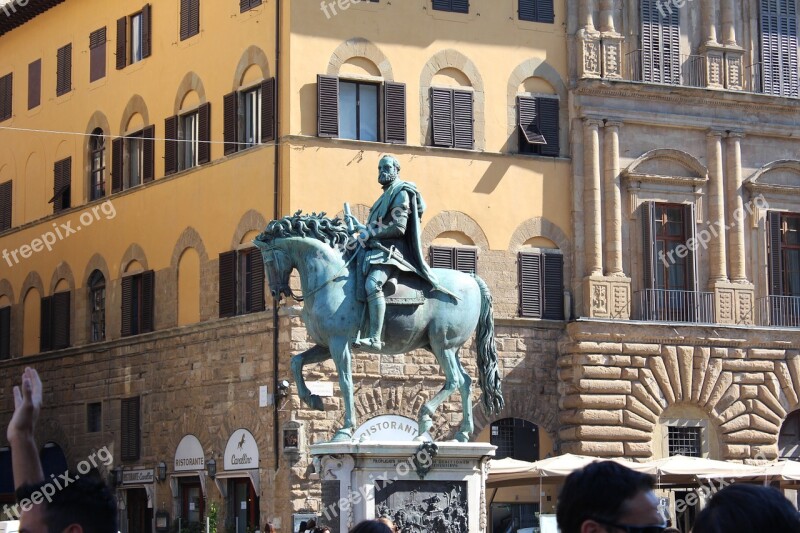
(278, 267)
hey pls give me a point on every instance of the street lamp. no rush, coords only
(211, 464)
(118, 476)
(162, 471)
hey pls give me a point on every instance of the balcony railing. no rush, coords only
(786, 87)
(660, 305)
(781, 311)
(646, 68)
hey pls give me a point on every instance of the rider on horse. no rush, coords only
(392, 237)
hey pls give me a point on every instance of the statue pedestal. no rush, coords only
(409, 483)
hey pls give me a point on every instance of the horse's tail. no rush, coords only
(488, 373)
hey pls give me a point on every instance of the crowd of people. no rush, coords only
(603, 497)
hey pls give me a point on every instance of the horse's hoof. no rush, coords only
(343, 435)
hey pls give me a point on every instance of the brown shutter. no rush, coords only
(45, 339)
(148, 146)
(5, 205)
(97, 54)
(442, 117)
(649, 244)
(35, 84)
(545, 12)
(171, 145)
(394, 108)
(6, 96)
(194, 17)
(255, 296)
(204, 139)
(459, 6)
(463, 120)
(466, 260)
(548, 125)
(691, 258)
(62, 173)
(528, 120)
(327, 106)
(5, 333)
(129, 429)
(775, 253)
(185, 19)
(230, 104)
(442, 257)
(530, 285)
(227, 284)
(61, 320)
(553, 286)
(268, 103)
(147, 30)
(64, 70)
(148, 302)
(127, 306)
(244, 5)
(122, 43)
(117, 156)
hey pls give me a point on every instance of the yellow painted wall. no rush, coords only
(189, 287)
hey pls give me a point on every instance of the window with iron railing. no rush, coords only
(782, 306)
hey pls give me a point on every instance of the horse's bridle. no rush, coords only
(278, 289)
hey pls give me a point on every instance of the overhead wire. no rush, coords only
(113, 137)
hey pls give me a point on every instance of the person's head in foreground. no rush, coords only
(745, 508)
(86, 505)
(371, 526)
(606, 497)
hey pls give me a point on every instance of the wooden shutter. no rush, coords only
(327, 106)
(227, 284)
(6, 96)
(97, 54)
(147, 30)
(691, 258)
(62, 174)
(268, 103)
(122, 43)
(45, 319)
(5, 205)
(660, 42)
(35, 84)
(148, 301)
(255, 296)
(553, 286)
(528, 119)
(394, 108)
(527, 10)
(5, 333)
(779, 54)
(530, 284)
(441, 5)
(129, 428)
(775, 253)
(442, 257)
(459, 6)
(61, 320)
(171, 145)
(246, 5)
(127, 306)
(230, 104)
(649, 244)
(190, 18)
(117, 163)
(204, 139)
(149, 147)
(463, 120)
(548, 125)
(545, 12)
(466, 260)
(64, 70)
(442, 117)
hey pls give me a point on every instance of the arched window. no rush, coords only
(97, 306)
(97, 156)
(515, 438)
(789, 438)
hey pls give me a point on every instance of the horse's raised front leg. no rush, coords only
(342, 357)
(453, 379)
(315, 354)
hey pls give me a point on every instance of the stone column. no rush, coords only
(591, 197)
(716, 208)
(710, 8)
(728, 23)
(607, 16)
(613, 219)
(587, 16)
(736, 206)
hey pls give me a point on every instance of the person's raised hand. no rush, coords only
(27, 404)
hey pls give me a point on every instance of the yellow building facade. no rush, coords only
(143, 146)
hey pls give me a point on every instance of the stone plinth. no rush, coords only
(403, 480)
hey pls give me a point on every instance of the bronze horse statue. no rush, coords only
(323, 251)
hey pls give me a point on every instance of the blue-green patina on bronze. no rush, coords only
(374, 278)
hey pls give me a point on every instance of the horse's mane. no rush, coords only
(331, 231)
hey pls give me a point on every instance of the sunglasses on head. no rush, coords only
(636, 529)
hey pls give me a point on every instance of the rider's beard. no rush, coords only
(386, 178)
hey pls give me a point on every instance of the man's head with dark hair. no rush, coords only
(85, 505)
(746, 508)
(606, 494)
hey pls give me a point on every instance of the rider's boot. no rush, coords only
(377, 312)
